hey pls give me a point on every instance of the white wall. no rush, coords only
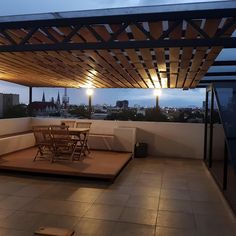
(163, 138)
(15, 125)
(15, 143)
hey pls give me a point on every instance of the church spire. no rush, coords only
(43, 99)
(58, 99)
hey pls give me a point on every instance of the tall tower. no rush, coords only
(43, 99)
(58, 99)
(65, 99)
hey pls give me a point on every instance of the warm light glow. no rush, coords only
(157, 92)
(89, 92)
(164, 82)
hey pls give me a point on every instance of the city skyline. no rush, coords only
(142, 97)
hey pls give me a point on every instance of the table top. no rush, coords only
(78, 130)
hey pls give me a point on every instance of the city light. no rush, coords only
(157, 92)
(89, 92)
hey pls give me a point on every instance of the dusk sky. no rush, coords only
(144, 97)
(13, 7)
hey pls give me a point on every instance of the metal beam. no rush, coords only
(170, 29)
(224, 63)
(171, 12)
(226, 27)
(119, 31)
(145, 32)
(217, 81)
(50, 36)
(220, 74)
(28, 36)
(7, 37)
(198, 29)
(72, 33)
(172, 43)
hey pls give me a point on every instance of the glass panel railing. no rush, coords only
(226, 100)
(226, 97)
(218, 145)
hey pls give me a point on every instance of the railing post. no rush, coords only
(30, 101)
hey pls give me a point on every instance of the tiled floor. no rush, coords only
(152, 196)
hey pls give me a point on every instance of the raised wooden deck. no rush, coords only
(99, 164)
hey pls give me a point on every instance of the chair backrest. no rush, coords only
(70, 123)
(60, 133)
(42, 134)
(83, 124)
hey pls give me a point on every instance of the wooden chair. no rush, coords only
(84, 137)
(43, 142)
(63, 144)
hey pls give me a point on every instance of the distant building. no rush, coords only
(7, 101)
(122, 104)
(65, 99)
(204, 105)
(42, 108)
(141, 111)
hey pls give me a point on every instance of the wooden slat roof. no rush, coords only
(133, 49)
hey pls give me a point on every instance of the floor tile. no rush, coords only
(176, 220)
(94, 227)
(163, 231)
(210, 208)
(53, 220)
(13, 232)
(112, 199)
(175, 205)
(128, 229)
(10, 187)
(83, 195)
(5, 213)
(14, 203)
(33, 190)
(216, 224)
(139, 216)
(58, 207)
(179, 194)
(21, 220)
(205, 196)
(104, 212)
(143, 202)
(61, 192)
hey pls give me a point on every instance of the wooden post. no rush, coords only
(157, 103)
(90, 106)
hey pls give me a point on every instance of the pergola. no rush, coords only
(170, 46)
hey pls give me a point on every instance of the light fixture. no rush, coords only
(157, 92)
(89, 92)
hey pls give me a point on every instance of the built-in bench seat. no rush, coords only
(16, 141)
(122, 139)
(15, 134)
(101, 141)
